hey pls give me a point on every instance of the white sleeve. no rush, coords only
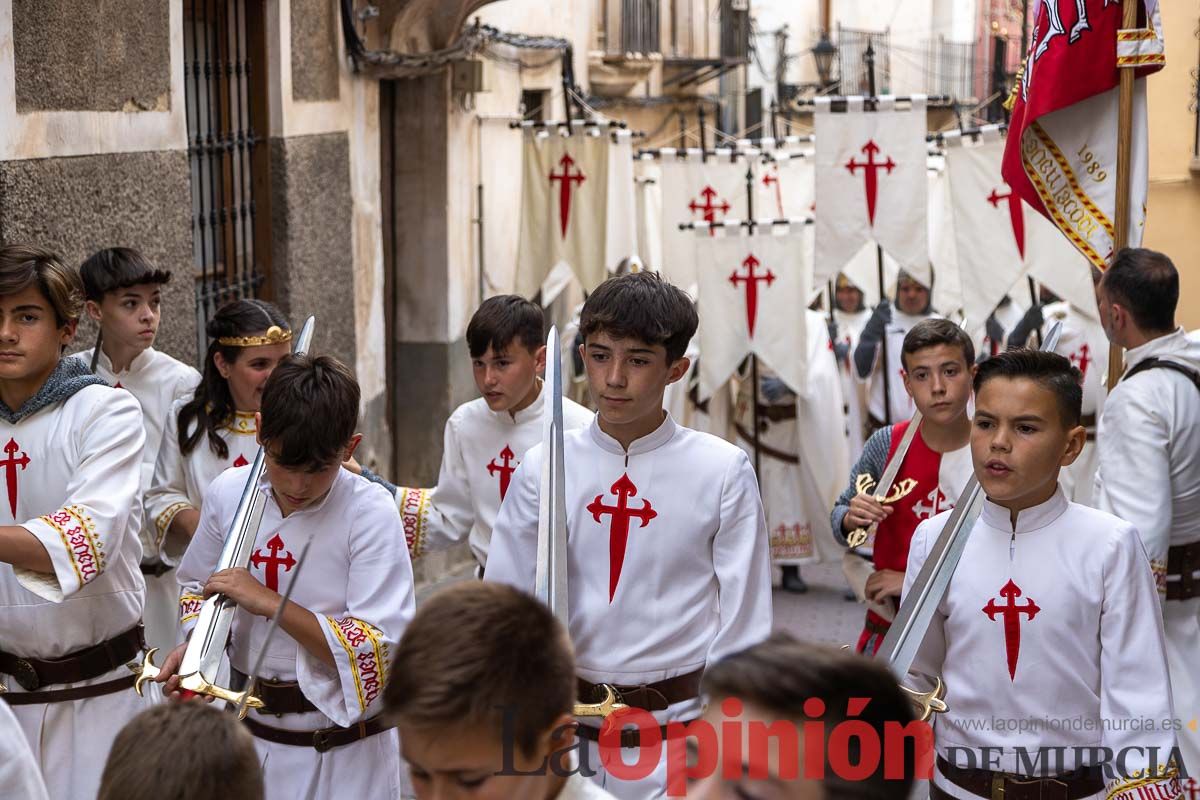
(19, 773)
(741, 556)
(102, 494)
(203, 552)
(512, 556)
(441, 517)
(931, 655)
(167, 495)
(363, 636)
(1133, 477)
(1134, 683)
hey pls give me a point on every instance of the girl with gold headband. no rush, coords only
(214, 429)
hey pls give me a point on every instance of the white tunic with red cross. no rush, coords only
(1049, 636)
(180, 481)
(71, 476)
(358, 582)
(481, 453)
(668, 558)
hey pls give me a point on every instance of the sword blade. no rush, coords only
(551, 580)
(206, 646)
(903, 640)
(893, 467)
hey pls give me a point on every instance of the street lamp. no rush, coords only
(824, 53)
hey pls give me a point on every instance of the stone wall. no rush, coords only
(78, 205)
(102, 55)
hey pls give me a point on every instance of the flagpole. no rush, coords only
(869, 57)
(1116, 357)
(753, 356)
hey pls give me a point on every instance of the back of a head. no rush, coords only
(475, 651)
(934, 332)
(182, 751)
(642, 306)
(503, 320)
(780, 674)
(23, 265)
(117, 268)
(1051, 371)
(309, 411)
(1146, 283)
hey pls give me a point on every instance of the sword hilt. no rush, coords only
(610, 704)
(193, 685)
(928, 703)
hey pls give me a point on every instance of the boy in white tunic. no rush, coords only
(1149, 454)
(214, 428)
(486, 438)
(123, 292)
(482, 691)
(668, 556)
(1050, 623)
(319, 734)
(71, 592)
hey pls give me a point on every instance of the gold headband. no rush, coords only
(274, 335)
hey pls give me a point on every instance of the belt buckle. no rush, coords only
(26, 675)
(998, 787)
(321, 741)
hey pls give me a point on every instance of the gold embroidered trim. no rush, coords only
(414, 509)
(367, 687)
(164, 520)
(189, 607)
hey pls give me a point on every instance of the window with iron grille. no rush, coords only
(950, 69)
(226, 106)
(852, 65)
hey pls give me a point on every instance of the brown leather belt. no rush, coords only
(82, 665)
(319, 740)
(66, 695)
(1183, 560)
(1083, 782)
(155, 569)
(778, 413)
(279, 697)
(630, 737)
(647, 696)
(779, 455)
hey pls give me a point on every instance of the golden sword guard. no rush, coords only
(928, 703)
(193, 683)
(611, 703)
(863, 485)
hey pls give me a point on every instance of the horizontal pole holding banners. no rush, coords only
(681, 153)
(838, 103)
(704, 225)
(540, 124)
(972, 133)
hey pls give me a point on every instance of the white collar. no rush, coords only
(651, 441)
(1167, 344)
(140, 361)
(531, 412)
(1031, 519)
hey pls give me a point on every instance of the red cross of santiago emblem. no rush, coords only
(751, 280)
(870, 169)
(506, 468)
(565, 181)
(618, 530)
(1016, 216)
(271, 562)
(1011, 613)
(709, 208)
(240, 461)
(10, 463)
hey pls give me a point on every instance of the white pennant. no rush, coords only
(696, 191)
(753, 290)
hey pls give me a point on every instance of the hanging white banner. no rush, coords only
(696, 191)
(871, 184)
(753, 290)
(564, 213)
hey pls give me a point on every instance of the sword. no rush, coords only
(206, 646)
(903, 639)
(883, 491)
(550, 585)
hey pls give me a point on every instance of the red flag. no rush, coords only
(1061, 152)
